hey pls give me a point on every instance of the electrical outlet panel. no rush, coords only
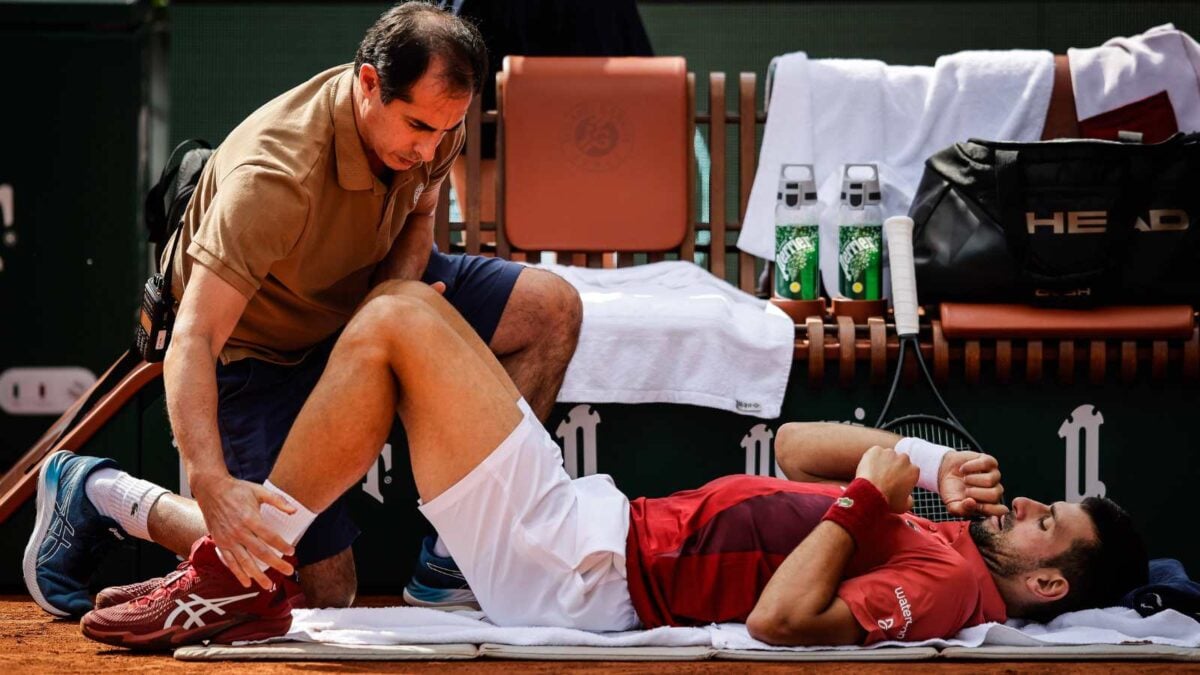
(43, 391)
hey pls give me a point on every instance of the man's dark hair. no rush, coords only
(1099, 572)
(408, 38)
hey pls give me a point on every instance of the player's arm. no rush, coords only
(799, 605)
(208, 312)
(823, 452)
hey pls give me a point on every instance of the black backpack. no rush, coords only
(168, 199)
(163, 211)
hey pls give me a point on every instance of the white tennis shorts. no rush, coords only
(538, 548)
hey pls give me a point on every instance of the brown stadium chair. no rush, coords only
(595, 155)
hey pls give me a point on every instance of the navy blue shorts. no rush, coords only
(258, 400)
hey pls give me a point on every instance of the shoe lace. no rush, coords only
(173, 581)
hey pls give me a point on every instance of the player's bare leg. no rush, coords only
(405, 350)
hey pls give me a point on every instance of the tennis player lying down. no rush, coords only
(801, 562)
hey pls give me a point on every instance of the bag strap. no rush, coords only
(1010, 195)
(169, 272)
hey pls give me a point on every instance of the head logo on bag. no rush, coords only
(1096, 222)
(1163, 220)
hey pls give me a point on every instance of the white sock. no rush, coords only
(439, 549)
(123, 498)
(289, 526)
(925, 456)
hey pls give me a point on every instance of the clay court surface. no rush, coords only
(31, 641)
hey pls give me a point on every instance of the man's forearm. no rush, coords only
(799, 605)
(410, 252)
(826, 451)
(189, 377)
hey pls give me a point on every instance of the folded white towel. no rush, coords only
(671, 332)
(417, 625)
(831, 112)
(1126, 70)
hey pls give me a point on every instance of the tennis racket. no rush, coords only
(936, 428)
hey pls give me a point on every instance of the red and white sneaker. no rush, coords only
(200, 602)
(115, 595)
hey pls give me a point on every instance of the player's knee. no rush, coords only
(403, 288)
(570, 311)
(370, 332)
(557, 304)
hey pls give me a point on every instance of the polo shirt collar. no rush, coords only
(353, 170)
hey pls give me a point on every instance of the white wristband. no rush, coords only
(927, 457)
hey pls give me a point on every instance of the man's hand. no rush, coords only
(231, 512)
(892, 474)
(969, 484)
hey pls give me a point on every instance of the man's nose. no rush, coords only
(426, 149)
(1024, 507)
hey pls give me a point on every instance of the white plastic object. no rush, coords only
(898, 230)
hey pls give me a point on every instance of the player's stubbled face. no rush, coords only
(1031, 532)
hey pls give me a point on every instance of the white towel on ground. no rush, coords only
(830, 112)
(671, 332)
(1111, 626)
(415, 625)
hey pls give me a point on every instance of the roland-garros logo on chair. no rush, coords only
(595, 137)
(1096, 222)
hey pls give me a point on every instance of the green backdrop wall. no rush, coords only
(227, 59)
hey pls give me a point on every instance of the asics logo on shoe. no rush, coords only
(205, 605)
(448, 571)
(57, 534)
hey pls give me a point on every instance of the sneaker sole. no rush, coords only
(45, 509)
(225, 633)
(451, 605)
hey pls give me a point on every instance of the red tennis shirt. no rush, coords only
(704, 556)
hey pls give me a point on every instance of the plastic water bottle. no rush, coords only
(797, 234)
(860, 234)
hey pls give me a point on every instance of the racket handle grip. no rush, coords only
(899, 233)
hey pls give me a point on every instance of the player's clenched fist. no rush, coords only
(969, 483)
(892, 474)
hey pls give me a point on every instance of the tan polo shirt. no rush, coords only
(289, 213)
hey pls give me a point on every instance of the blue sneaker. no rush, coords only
(69, 536)
(437, 583)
